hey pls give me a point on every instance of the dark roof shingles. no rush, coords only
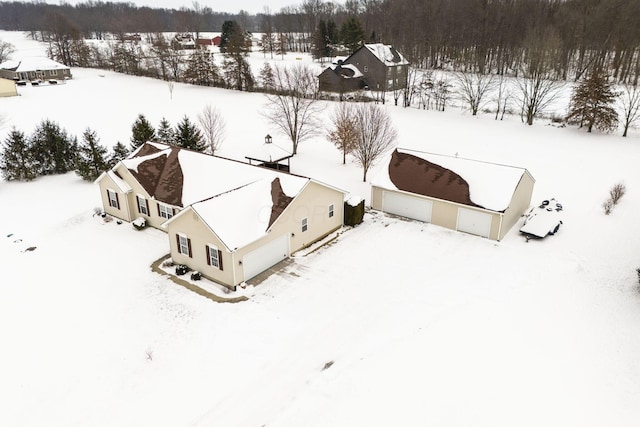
(419, 176)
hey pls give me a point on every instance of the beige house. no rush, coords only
(480, 198)
(226, 219)
(34, 69)
(7, 88)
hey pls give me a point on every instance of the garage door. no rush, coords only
(474, 222)
(407, 206)
(258, 260)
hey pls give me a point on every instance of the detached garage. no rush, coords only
(475, 197)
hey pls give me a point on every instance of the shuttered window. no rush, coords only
(304, 224)
(114, 202)
(143, 206)
(214, 256)
(165, 211)
(184, 244)
(330, 211)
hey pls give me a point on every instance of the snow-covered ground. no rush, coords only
(395, 323)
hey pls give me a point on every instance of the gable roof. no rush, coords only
(465, 181)
(386, 54)
(36, 63)
(182, 177)
(243, 215)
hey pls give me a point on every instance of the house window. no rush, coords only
(214, 257)
(143, 206)
(184, 244)
(113, 199)
(64, 71)
(304, 225)
(53, 72)
(366, 68)
(165, 211)
(330, 211)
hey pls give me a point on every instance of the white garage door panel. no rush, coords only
(407, 206)
(474, 222)
(258, 260)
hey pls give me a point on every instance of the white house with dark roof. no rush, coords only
(34, 68)
(481, 198)
(226, 219)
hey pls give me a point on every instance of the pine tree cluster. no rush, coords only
(50, 150)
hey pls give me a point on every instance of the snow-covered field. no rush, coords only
(420, 325)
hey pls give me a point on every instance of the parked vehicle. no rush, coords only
(542, 220)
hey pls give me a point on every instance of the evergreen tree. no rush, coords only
(165, 132)
(591, 103)
(54, 150)
(201, 69)
(237, 71)
(320, 41)
(281, 45)
(267, 80)
(91, 157)
(119, 152)
(352, 33)
(16, 158)
(189, 136)
(141, 132)
(333, 36)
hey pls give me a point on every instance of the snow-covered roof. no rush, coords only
(119, 182)
(201, 176)
(490, 185)
(356, 72)
(243, 215)
(269, 152)
(238, 201)
(36, 63)
(387, 54)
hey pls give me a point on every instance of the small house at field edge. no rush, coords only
(34, 68)
(480, 198)
(381, 68)
(224, 218)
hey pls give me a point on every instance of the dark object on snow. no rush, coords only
(327, 365)
(543, 220)
(353, 215)
(30, 249)
(196, 275)
(182, 269)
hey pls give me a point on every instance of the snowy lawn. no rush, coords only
(416, 325)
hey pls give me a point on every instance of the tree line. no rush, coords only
(564, 38)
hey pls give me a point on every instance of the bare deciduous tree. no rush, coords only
(375, 135)
(536, 93)
(502, 97)
(343, 133)
(6, 50)
(472, 89)
(293, 107)
(630, 104)
(213, 127)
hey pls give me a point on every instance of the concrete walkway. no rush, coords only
(155, 266)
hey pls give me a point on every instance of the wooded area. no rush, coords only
(562, 39)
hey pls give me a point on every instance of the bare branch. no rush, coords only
(213, 127)
(376, 135)
(293, 107)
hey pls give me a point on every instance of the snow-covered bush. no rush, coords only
(168, 263)
(182, 269)
(139, 223)
(196, 275)
(353, 211)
